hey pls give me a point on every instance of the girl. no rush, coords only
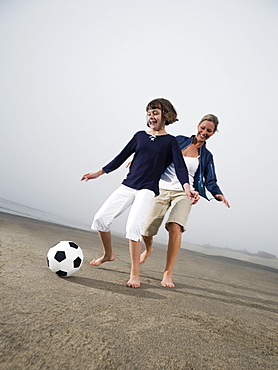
(153, 152)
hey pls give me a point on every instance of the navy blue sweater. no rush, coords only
(152, 155)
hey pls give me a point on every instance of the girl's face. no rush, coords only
(205, 130)
(155, 119)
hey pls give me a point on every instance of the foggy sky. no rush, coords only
(76, 76)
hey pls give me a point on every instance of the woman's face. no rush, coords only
(155, 119)
(205, 130)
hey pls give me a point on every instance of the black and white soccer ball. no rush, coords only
(65, 258)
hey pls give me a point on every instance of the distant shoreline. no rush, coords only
(10, 207)
(235, 254)
(211, 251)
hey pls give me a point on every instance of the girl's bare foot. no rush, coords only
(145, 254)
(133, 282)
(167, 280)
(99, 261)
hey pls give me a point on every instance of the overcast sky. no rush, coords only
(76, 76)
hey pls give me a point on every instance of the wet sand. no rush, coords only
(223, 313)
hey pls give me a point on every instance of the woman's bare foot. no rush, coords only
(99, 261)
(167, 280)
(133, 282)
(145, 254)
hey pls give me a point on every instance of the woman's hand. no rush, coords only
(192, 194)
(92, 175)
(222, 199)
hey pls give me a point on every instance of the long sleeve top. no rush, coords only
(152, 155)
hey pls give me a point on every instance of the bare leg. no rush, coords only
(135, 250)
(174, 244)
(148, 240)
(108, 255)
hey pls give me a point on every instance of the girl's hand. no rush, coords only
(192, 194)
(222, 199)
(92, 175)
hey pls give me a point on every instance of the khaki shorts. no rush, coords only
(179, 204)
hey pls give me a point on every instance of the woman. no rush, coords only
(200, 165)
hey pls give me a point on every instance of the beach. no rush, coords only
(222, 314)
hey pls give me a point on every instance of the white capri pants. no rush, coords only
(117, 203)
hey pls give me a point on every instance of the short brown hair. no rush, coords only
(212, 118)
(168, 111)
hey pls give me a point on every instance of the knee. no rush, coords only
(147, 239)
(133, 232)
(100, 224)
(174, 228)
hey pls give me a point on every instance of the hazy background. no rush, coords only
(76, 75)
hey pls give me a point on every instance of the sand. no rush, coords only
(223, 313)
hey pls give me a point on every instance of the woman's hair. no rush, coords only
(212, 118)
(168, 111)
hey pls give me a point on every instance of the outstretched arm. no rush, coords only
(92, 175)
(222, 199)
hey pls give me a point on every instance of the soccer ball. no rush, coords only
(65, 258)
